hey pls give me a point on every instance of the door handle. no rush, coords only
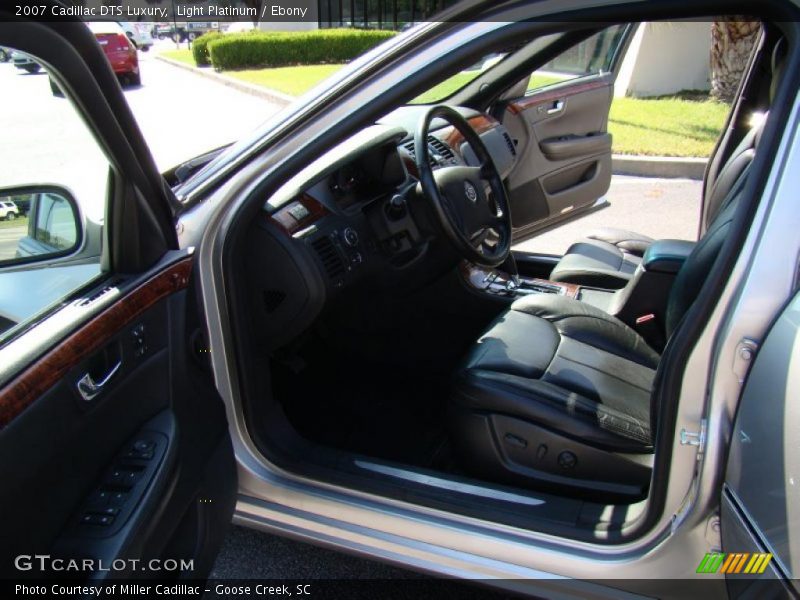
(557, 107)
(88, 388)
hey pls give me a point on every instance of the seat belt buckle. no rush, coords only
(645, 319)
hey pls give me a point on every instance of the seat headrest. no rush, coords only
(778, 62)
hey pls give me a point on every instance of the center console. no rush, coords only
(499, 283)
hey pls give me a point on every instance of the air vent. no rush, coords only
(273, 299)
(440, 147)
(509, 142)
(331, 260)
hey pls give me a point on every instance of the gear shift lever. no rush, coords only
(509, 266)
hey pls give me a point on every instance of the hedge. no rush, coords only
(200, 48)
(280, 49)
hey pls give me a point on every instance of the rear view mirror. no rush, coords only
(37, 223)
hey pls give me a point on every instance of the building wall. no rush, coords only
(664, 58)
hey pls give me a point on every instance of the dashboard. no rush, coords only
(349, 213)
(367, 177)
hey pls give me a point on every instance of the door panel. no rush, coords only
(134, 468)
(565, 156)
(761, 500)
(114, 440)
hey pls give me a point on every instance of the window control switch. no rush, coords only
(123, 477)
(117, 499)
(139, 455)
(98, 500)
(99, 519)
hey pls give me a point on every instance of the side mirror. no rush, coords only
(38, 223)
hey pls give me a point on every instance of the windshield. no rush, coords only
(452, 84)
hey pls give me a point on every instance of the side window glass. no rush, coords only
(592, 56)
(53, 180)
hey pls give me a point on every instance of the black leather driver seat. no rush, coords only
(556, 393)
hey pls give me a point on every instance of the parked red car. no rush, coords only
(119, 50)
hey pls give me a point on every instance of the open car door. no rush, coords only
(114, 442)
(760, 504)
(560, 128)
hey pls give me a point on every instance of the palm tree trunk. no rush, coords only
(731, 44)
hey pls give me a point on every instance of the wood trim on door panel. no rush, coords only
(48, 370)
(523, 104)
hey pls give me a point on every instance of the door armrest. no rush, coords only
(571, 146)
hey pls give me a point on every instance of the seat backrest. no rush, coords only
(698, 265)
(742, 156)
(726, 194)
(729, 175)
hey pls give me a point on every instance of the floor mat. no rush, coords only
(374, 410)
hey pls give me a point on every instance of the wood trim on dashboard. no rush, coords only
(48, 370)
(480, 123)
(522, 104)
(290, 225)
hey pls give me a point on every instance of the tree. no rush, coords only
(731, 44)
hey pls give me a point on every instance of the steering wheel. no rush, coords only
(471, 202)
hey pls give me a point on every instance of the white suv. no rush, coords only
(139, 34)
(8, 210)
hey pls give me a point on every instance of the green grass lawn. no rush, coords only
(671, 126)
(294, 81)
(681, 125)
(21, 222)
(289, 80)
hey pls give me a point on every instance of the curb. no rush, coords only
(658, 166)
(248, 88)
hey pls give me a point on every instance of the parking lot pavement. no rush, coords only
(250, 554)
(182, 115)
(660, 208)
(9, 238)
